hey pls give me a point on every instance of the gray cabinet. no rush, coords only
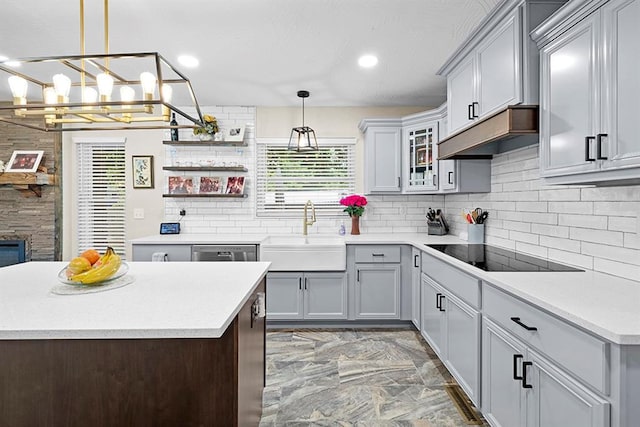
(313, 295)
(589, 93)
(382, 148)
(378, 291)
(465, 176)
(522, 387)
(432, 318)
(420, 150)
(415, 287)
(175, 252)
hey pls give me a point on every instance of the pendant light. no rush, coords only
(301, 137)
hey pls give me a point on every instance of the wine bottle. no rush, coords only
(174, 131)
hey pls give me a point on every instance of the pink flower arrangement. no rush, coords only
(354, 204)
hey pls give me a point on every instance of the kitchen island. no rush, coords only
(181, 345)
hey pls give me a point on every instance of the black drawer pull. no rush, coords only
(587, 156)
(528, 328)
(300, 283)
(516, 357)
(599, 137)
(305, 283)
(440, 301)
(473, 110)
(450, 177)
(433, 180)
(438, 295)
(377, 254)
(415, 260)
(524, 374)
(469, 114)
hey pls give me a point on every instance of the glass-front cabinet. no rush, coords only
(421, 158)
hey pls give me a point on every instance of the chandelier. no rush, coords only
(97, 92)
(300, 138)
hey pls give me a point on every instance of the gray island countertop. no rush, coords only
(166, 300)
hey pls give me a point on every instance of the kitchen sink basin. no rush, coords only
(304, 253)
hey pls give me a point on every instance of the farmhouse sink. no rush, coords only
(304, 253)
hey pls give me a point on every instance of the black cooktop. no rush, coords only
(491, 258)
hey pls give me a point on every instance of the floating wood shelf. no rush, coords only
(27, 182)
(233, 196)
(207, 143)
(206, 168)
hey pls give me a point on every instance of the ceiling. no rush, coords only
(261, 52)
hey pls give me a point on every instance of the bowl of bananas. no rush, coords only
(93, 269)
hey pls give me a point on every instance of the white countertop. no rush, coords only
(166, 300)
(605, 305)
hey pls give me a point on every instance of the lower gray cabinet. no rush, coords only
(314, 295)
(523, 387)
(452, 329)
(174, 252)
(416, 273)
(378, 291)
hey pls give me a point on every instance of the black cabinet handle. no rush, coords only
(599, 137)
(469, 114)
(433, 179)
(438, 295)
(450, 177)
(305, 283)
(300, 283)
(516, 357)
(473, 110)
(587, 156)
(358, 275)
(524, 374)
(440, 301)
(528, 328)
(399, 184)
(377, 254)
(415, 260)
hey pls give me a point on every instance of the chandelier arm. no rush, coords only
(80, 69)
(106, 69)
(24, 76)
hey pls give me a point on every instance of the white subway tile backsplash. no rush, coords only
(631, 271)
(620, 208)
(559, 194)
(558, 243)
(516, 226)
(572, 258)
(519, 236)
(604, 237)
(622, 223)
(535, 250)
(550, 230)
(625, 255)
(582, 208)
(632, 240)
(584, 221)
(531, 206)
(613, 194)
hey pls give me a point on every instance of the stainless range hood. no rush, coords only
(514, 127)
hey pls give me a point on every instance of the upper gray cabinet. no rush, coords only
(589, 93)
(497, 65)
(382, 155)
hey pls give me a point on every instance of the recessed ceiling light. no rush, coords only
(3, 58)
(368, 61)
(13, 64)
(188, 61)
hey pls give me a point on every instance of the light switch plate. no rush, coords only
(138, 213)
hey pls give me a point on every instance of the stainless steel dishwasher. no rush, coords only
(224, 253)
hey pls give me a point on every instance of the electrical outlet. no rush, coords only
(183, 212)
(138, 213)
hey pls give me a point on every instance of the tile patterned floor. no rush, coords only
(355, 378)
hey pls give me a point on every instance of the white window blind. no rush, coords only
(101, 195)
(287, 179)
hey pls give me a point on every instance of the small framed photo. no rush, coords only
(181, 185)
(235, 133)
(421, 156)
(142, 171)
(24, 161)
(235, 185)
(210, 185)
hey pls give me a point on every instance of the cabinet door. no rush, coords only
(462, 327)
(415, 287)
(499, 66)
(383, 161)
(502, 357)
(377, 291)
(556, 400)
(620, 77)
(569, 100)
(284, 296)
(325, 295)
(460, 94)
(432, 315)
(421, 165)
(447, 174)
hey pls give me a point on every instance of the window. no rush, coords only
(101, 194)
(287, 179)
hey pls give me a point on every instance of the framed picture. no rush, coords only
(181, 185)
(421, 156)
(24, 161)
(235, 185)
(142, 171)
(210, 185)
(235, 133)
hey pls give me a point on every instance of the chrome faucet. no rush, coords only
(305, 221)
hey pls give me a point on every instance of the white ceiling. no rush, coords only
(261, 52)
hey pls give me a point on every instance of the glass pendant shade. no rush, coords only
(105, 85)
(302, 138)
(62, 85)
(148, 83)
(18, 86)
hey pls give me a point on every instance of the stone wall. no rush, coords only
(23, 214)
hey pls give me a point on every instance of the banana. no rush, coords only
(104, 268)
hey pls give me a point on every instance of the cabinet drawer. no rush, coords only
(460, 284)
(583, 354)
(375, 254)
